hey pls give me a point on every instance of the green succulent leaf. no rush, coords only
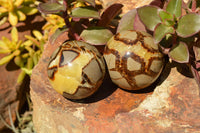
(37, 34)
(28, 10)
(3, 9)
(180, 53)
(35, 58)
(21, 15)
(19, 61)
(174, 7)
(14, 34)
(160, 32)
(30, 63)
(85, 12)
(21, 77)
(96, 35)
(50, 7)
(127, 21)
(3, 20)
(18, 2)
(4, 51)
(149, 16)
(165, 16)
(34, 40)
(138, 25)
(13, 18)
(27, 71)
(188, 25)
(3, 45)
(6, 59)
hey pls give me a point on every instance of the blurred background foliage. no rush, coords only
(25, 53)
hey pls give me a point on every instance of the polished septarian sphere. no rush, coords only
(133, 60)
(76, 69)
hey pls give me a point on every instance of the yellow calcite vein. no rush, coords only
(69, 77)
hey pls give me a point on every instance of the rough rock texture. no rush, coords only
(128, 4)
(12, 94)
(8, 94)
(170, 105)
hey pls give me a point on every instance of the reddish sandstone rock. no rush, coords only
(128, 4)
(172, 107)
(13, 95)
(8, 94)
(171, 104)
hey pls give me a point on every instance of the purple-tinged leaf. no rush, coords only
(109, 14)
(197, 53)
(127, 21)
(196, 76)
(57, 33)
(91, 2)
(179, 53)
(160, 32)
(174, 7)
(166, 18)
(188, 25)
(96, 35)
(85, 12)
(149, 16)
(50, 7)
(138, 25)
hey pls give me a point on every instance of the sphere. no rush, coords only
(133, 60)
(76, 69)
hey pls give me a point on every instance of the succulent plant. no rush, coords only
(84, 19)
(25, 54)
(175, 27)
(53, 23)
(16, 10)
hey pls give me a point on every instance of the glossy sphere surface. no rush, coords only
(76, 69)
(133, 60)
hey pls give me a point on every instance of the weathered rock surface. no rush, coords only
(8, 94)
(170, 105)
(13, 95)
(128, 4)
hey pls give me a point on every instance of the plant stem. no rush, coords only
(194, 5)
(68, 24)
(174, 41)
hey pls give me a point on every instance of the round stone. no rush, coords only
(133, 60)
(76, 69)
